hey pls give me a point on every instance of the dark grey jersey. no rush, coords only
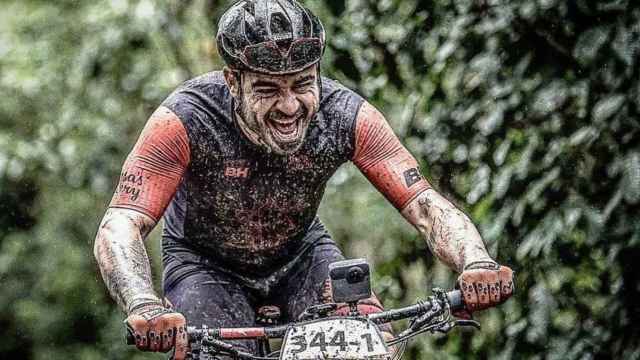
(239, 204)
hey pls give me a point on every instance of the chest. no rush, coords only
(229, 171)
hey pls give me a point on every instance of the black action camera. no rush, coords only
(350, 280)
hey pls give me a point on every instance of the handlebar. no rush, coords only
(456, 301)
(453, 299)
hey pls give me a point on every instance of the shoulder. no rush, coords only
(333, 90)
(163, 139)
(210, 85)
(339, 107)
(370, 114)
(339, 102)
(212, 79)
(204, 98)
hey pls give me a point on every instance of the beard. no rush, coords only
(276, 132)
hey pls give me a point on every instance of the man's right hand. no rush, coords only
(156, 328)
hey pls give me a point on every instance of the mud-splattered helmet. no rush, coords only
(270, 36)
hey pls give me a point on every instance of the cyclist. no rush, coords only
(236, 161)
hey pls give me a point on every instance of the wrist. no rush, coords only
(142, 303)
(474, 253)
(487, 263)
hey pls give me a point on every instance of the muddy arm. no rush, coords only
(122, 257)
(381, 157)
(448, 232)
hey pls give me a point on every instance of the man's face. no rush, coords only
(276, 110)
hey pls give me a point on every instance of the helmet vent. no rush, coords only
(251, 32)
(249, 7)
(280, 27)
(281, 31)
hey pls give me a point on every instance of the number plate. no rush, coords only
(334, 338)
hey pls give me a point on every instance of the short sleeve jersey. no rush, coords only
(239, 204)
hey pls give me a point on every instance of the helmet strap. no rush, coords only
(319, 79)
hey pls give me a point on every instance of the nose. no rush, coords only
(288, 104)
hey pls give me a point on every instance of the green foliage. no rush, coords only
(524, 113)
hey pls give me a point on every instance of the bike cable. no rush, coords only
(399, 350)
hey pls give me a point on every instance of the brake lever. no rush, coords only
(471, 323)
(447, 326)
(219, 345)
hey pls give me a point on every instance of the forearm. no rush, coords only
(448, 232)
(122, 257)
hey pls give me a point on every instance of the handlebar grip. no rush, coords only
(130, 337)
(456, 301)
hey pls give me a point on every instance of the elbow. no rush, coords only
(105, 232)
(96, 250)
(117, 228)
(99, 243)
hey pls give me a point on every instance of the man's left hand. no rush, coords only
(485, 284)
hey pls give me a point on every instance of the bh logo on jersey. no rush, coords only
(236, 169)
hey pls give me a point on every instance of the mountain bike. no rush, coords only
(319, 335)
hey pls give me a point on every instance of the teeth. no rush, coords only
(284, 123)
(286, 131)
(286, 128)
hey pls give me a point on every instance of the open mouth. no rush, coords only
(286, 129)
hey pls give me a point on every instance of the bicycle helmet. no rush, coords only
(270, 36)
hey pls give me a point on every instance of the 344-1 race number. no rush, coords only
(342, 338)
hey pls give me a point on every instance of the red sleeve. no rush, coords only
(384, 161)
(154, 168)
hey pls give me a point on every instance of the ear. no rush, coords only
(232, 81)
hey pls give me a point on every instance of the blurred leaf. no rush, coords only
(606, 107)
(589, 43)
(631, 182)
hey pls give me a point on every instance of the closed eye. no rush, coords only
(303, 86)
(265, 88)
(265, 91)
